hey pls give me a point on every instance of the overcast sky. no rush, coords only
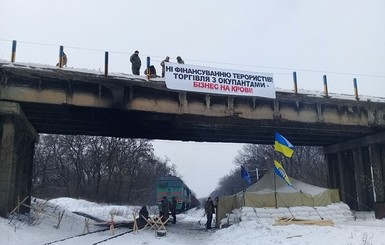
(341, 39)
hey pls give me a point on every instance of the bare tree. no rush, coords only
(98, 168)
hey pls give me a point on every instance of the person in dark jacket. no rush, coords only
(143, 214)
(136, 63)
(179, 59)
(173, 209)
(152, 72)
(209, 210)
(165, 209)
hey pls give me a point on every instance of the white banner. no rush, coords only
(218, 81)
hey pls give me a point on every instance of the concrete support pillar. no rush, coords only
(382, 157)
(378, 178)
(350, 179)
(359, 179)
(333, 171)
(368, 178)
(357, 167)
(340, 164)
(17, 142)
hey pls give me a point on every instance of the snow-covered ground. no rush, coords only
(251, 228)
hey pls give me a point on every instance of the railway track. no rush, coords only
(73, 239)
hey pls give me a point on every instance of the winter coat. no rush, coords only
(165, 209)
(180, 61)
(135, 61)
(152, 72)
(209, 207)
(173, 206)
(163, 65)
(143, 212)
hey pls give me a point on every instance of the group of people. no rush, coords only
(136, 63)
(167, 207)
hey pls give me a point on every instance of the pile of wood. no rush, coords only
(38, 210)
(295, 221)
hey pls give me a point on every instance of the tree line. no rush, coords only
(101, 169)
(125, 171)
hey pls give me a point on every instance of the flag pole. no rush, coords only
(275, 182)
(275, 191)
(281, 144)
(243, 193)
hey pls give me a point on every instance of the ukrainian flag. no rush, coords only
(280, 171)
(283, 145)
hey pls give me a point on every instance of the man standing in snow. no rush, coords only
(209, 210)
(165, 209)
(173, 209)
(136, 63)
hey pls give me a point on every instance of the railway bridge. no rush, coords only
(39, 99)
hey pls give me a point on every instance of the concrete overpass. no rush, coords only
(39, 99)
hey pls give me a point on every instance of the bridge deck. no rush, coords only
(68, 101)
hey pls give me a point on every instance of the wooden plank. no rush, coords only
(294, 221)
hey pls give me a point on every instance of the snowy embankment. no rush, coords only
(248, 226)
(338, 213)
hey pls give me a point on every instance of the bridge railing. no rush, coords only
(107, 62)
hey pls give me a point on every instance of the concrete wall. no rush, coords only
(17, 141)
(357, 169)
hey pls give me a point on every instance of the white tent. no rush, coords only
(273, 191)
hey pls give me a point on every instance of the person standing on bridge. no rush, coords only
(136, 63)
(151, 73)
(63, 60)
(179, 59)
(163, 65)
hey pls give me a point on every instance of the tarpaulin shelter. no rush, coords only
(272, 191)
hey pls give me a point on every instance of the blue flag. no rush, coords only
(282, 145)
(245, 175)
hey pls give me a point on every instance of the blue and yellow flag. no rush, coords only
(245, 175)
(283, 145)
(280, 171)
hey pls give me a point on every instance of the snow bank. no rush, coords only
(337, 212)
(251, 226)
(101, 211)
